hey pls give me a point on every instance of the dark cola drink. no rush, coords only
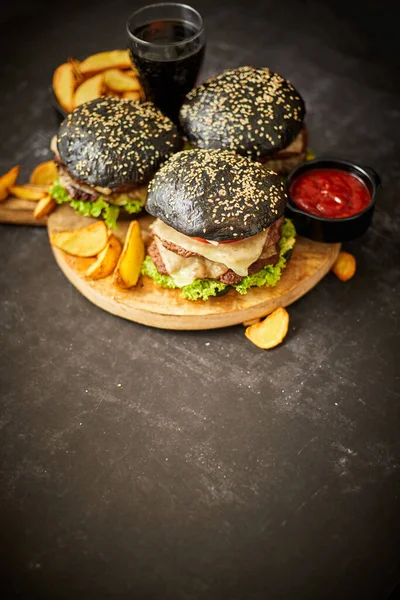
(168, 54)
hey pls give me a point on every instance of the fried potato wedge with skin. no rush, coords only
(64, 84)
(28, 192)
(112, 93)
(132, 71)
(75, 64)
(271, 331)
(345, 266)
(89, 90)
(85, 242)
(106, 261)
(105, 60)
(118, 81)
(44, 174)
(135, 96)
(7, 180)
(44, 207)
(127, 271)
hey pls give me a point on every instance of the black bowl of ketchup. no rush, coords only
(332, 200)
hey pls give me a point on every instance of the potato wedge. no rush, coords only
(127, 271)
(89, 90)
(271, 331)
(135, 96)
(75, 64)
(7, 180)
(108, 92)
(105, 60)
(345, 266)
(132, 71)
(64, 85)
(106, 260)
(44, 207)
(44, 174)
(116, 80)
(28, 192)
(87, 241)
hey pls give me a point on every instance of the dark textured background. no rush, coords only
(138, 463)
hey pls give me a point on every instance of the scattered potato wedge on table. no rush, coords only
(44, 174)
(127, 271)
(44, 207)
(105, 60)
(106, 261)
(118, 81)
(85, 242)
(28, 192)
(89, 90)
(64, 84)
(345, 266)
(7, 180)
(271, 331)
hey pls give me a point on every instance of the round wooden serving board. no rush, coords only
(152, 305)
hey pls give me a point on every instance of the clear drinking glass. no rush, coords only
(167, 43)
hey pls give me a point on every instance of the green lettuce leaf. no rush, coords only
(310, 154)
(200, 289)
(203, 289)
(270, 275)
(87, 208)
(110, 215)
(150, 269)
(133, 206)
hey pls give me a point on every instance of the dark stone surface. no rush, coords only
(138, 463)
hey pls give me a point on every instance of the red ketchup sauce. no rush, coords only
(330, 193)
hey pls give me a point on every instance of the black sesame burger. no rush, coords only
(219, 224)
(253, 112)
(107, 150)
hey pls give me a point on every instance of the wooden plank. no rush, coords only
(19, 212)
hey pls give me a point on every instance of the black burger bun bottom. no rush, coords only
(110, 142)
(253, 112)
(216, 195)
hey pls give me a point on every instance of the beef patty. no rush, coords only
(268, 256)
(79, 190)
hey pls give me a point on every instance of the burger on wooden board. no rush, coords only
(219, 224)
(254, 112)
(106, 151)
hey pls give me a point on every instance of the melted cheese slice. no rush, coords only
(184, 270)
(238, 256)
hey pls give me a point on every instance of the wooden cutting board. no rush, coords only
(152, 305)
(19, 212)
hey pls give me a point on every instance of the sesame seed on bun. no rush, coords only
(253, 112)
(216, 194)
(111, 142)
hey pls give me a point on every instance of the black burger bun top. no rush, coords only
(110, 142)
(253, 112)
(216, 195)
